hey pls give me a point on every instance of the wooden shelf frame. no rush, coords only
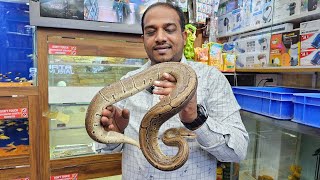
(22, 166)
(89, 43)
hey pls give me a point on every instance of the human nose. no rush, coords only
(161, 36)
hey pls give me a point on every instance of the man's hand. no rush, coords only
(115, 119)
(164, 88)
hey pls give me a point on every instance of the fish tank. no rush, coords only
(17, 63)
(73, 81)
(14, 137)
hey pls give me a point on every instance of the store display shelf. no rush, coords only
(19, 48)
(229, 73)
(244, 30)
(95, 64)
(280, 69)
(68, 95)
(295, 18)
(20, 34)
(290, 125)
(67, 128)
(17, 91)
(306, 16)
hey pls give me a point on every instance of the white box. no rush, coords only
(310, 5)
(310, 57)
(252, 60)
(286, 8)
(310, 35)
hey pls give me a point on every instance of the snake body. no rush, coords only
(185, 89)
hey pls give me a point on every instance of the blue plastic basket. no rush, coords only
(275, 102)
(307, 109)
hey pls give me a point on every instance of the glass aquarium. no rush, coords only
(17, 62)
(73, 81)
(279, 150)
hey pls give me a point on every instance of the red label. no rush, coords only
(73, 176)
(305, 53)
(62, 50)
(13, 113)
(306, 36)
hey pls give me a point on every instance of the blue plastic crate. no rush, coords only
(275, 102)
(307, 109)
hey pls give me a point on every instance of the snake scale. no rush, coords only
(186, 85)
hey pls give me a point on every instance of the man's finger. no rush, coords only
(164, 84)
(169, 77)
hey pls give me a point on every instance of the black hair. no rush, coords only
(169, 5)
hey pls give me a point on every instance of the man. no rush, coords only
(220, 136)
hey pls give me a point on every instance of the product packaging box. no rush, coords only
(310, 43)
(252, 60)
(201, 55)
(285, 49)
(224, 24)
(310, 35)
(229, 61)
(310, 57)
(310, 5)
(215, 55)
(286, 8)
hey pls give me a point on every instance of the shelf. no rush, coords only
(280, 69)
(247, 29)
(19, 20)
(97, 64)
(292, 19)
(20, 34)
(23, 48)
(305, 16)
(286, 124)
(76, 95)
(67, 128)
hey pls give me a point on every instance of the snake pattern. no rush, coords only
(186, 85)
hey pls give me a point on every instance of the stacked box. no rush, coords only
(286, 8)
(310, 5)
(310, 43)
(285, 49)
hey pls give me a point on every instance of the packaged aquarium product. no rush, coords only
(215, 55)
(229, 61)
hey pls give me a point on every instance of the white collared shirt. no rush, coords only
(223, 137)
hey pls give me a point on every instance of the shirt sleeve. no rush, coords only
(223, 134)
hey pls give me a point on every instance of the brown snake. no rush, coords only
(185, 89)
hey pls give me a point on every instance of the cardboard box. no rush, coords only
(310, 35)
(310, 57)
(285, 49)
(286, 8)
(252, 60)
(310, 5)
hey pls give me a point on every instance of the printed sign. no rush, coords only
(14, 113)
(62, 50)
(73, 176)
(60, 69)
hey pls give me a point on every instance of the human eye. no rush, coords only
(149, 32)
(171, 29)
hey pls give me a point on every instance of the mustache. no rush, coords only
(162, 46)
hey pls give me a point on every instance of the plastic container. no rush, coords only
(275, 102)
(307, 109)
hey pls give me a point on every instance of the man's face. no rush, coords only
(163, 39)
